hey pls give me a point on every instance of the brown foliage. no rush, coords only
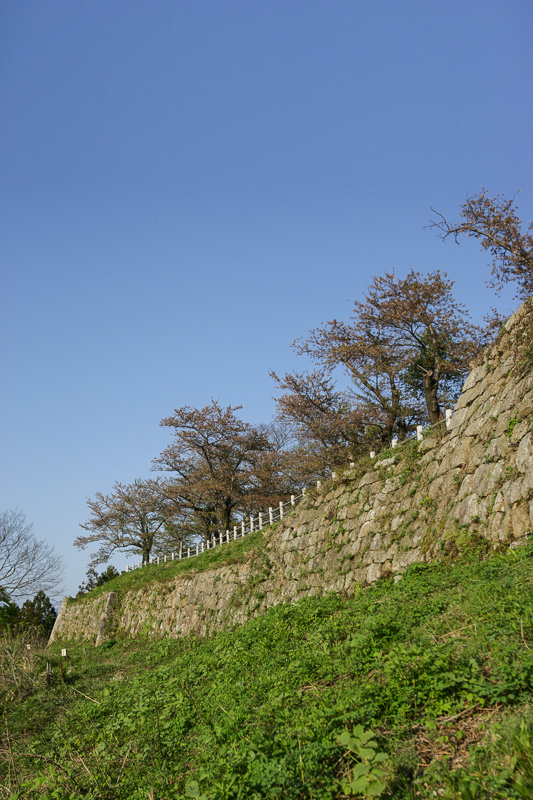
(406, 340)
(495, 223)
(127, 519)
(326, 428)
(428, 330)
(223, 466)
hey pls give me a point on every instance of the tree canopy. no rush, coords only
(127, 519)
(325, 423)
(495, 223)
(38, 614)
(222, 466)
(95, 579)
(406, 350)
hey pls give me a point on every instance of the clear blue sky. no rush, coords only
(186, 187)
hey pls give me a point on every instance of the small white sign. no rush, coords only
(64, 653)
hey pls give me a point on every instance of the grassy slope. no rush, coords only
(439, 666)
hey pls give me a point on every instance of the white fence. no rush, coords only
(274, 513)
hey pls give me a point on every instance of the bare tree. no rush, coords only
(495, 223)
(27, 565)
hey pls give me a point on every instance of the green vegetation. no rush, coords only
(411, 690)
(512, 423)
(37, 615)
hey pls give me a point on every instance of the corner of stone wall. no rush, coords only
(105, 625)
(57, 624)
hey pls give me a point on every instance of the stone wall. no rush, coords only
(460, 488)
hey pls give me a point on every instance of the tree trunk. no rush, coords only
(226, 522)
(402, 429)
(432, 403)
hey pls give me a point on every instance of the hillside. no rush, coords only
(417, 689)
(468, 485)
(378, 642)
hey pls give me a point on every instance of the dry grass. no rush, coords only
(22, 666)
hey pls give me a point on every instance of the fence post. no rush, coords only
(243, 529)
(260, 521)
(270, 515)
(333, 476)
(188, 552)
(227, 537)
(234, 532)
(394, 442)
(419, 434)
(281, 509)
(318, 484)
(220, 537)
(352, 464)
(207, 545)
(449, 413)
(372, 454)
(251, 524)
(293, 502)
(165, 559)
(304, 491)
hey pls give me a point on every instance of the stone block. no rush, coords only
(477, 375)
(373, 573)
(368, 479)
(468, 397)
(475, 425)
(512, 492)
(367, 527)
(429, 443)
(498, 448)
(405, 558)
(487, 478)
(476, 456)
(457, 457)
(524, 454)
(396, 522)
(458, 420)
(520, 520)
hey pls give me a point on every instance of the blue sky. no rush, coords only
(186, 187)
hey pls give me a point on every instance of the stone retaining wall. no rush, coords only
(458, 489)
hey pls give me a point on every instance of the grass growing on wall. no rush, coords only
(417, 689)
(245, 548)
(235, 552)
